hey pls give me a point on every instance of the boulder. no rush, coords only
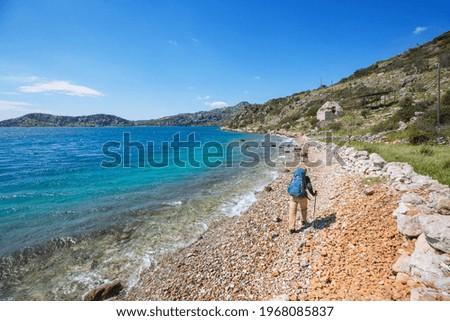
(411, 198)
(402, 209)
(104, 292)
(443, 206)
(425, 263)
(443, 284)
(437, 231)
(362, 154)
(409, 225)
(421, 180)
(377, 160)
(424, 294)
(402, 265)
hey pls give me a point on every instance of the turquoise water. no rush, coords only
(67, 223)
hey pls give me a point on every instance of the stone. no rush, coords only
(443, 206)
(437, 231)
(304, 263)
(425, 263)
(421, 180)
(104, 292)
(377, 160)
(402, 277)
(276, 219)
(281, 297)
(409, 225)
(268, 189)
(411, 198)
(443, 284)
(402, 265)
(424, 294)
(362, 154)
(402, 209)
(369, 191)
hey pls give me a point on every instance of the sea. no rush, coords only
(83, 206)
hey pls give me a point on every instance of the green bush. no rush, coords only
(313, 121)
(335, 125)
(417, 137)
(387, 125)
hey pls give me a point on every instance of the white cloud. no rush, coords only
(256, 78)
(194, 39)
(61, 87)
(207, 97)
(216, 104)
(419, 30)
(173, 43)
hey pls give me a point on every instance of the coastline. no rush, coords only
(253, 257)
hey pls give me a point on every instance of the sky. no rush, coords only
(147, 59)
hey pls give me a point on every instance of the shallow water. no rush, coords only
(68, 224)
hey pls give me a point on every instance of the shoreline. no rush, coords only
(370, 239)
(253, 257)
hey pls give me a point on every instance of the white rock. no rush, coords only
(377, 160)
(412, 198)
(421, 179)
(402, 209)
(443, 206)
(443, 284)
(425, 262)
(409, 225)
(402, 265)
(424, 294)
(437, 231)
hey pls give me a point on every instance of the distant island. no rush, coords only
(214, 117)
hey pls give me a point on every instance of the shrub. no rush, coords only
(313, 121)
(417, 137)
(364, 113)
(335, 125)
(389, 124)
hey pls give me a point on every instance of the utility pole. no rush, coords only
(438, 95)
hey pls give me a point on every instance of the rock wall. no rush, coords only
(423, 215)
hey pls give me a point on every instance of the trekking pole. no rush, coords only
(314, 212)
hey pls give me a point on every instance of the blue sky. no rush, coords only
(146, 59)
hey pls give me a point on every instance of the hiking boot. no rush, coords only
(304, 223)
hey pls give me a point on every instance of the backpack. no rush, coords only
(297, 187)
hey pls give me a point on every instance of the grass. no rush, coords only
(372, 180)
(427, 160)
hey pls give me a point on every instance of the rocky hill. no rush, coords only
(47, 120)
(383, 97)
(214, 117)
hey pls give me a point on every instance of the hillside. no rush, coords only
(214, 117)
(47, 120)
(375, 100)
